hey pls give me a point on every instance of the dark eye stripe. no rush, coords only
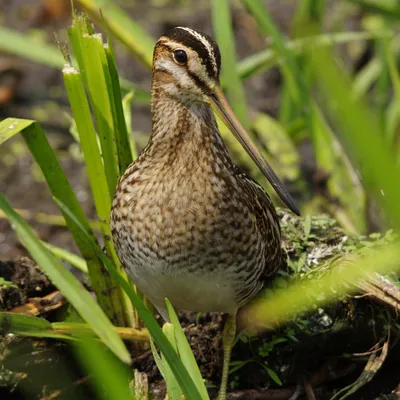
(200, 83)
(187, 39)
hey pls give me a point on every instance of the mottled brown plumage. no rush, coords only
(186, 222)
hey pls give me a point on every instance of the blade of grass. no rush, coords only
(73, 329)
(126, 106)
(173, 388)
(27, 325)
(24, 45)
(186, 353)
(97, 179)
(44, 155)
(110, 378)
(48, 219)
(176, 365)
(302, 296)
(266, 59)
(366, 77)
(121, 131)
(222, 24)
(394, 75)
(65, 255)
(96, 72)
(65, 281)
(387, 12)
(13, 323)
(133, 36)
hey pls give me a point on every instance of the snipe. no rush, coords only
(188, 225)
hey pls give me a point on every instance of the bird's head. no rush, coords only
(186, 64)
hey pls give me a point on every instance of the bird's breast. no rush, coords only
(192, 238)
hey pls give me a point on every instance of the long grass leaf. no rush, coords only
(98, 182)
(185, 352)
(24, 45)
(376, 8)
(65, 255)
(266, 59)
(98, 86)
(222, 23)
(121, 130)
(109, 376)
(65, 281)
(394, 75)
(173, 388)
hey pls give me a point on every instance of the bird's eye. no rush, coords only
(180, 56)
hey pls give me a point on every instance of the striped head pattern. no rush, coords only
(186, 64)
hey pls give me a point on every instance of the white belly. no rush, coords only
(186, 291)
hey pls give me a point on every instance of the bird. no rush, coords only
(187, 223)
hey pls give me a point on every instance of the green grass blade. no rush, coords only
(394, 74)
(27, 47)
(109, 377)
(222, 23)
(302, 296)
(366, 77)
(88, 141)
(381, 9)
(290, 70)
(9, 127)
(96, 72)
(27, 325)
(134, 37)
(65, 255)
(121, 131)
(175, 363)
(157, 358)
(173, 388)
(13, 323)
(126, 106)
(98, 184)
(186, 353)
(266, 59)
(65, 281)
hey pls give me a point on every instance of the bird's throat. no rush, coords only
(184, 135)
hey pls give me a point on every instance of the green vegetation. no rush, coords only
(351, 119)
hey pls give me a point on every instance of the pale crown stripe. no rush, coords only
(205, 42)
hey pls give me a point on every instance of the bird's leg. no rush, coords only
(228, 337)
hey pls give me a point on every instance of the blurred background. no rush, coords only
(318, 172)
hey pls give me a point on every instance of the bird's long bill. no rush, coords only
(226, 113)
